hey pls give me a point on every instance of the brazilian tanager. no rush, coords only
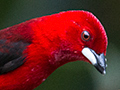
(32, 50)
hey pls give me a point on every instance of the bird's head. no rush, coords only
(90, 39)
(70, 36)
(84, 39)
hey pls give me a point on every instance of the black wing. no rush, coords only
(11, 56)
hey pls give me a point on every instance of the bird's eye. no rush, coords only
(85, 35)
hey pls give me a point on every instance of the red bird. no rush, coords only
(32, 50)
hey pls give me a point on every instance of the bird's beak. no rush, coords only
(97, 60)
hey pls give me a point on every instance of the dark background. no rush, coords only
(75, 75)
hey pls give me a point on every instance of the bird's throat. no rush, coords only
(64, 56)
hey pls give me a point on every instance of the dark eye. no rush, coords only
(85, 35)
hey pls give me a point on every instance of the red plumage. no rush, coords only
(49, 42)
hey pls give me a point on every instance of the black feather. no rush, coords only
(11, 55)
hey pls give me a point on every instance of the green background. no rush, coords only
(76, 75)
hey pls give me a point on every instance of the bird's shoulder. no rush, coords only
(11, 55)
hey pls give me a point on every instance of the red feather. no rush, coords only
(49, 36)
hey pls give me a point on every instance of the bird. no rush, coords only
(32, 50)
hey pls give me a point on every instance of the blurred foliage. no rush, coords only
(75, 75)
